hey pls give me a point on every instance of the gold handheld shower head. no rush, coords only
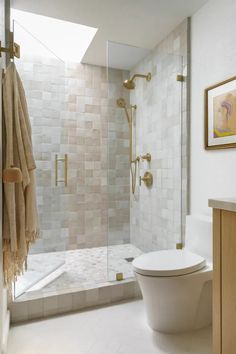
(130, 85)
(122, 104)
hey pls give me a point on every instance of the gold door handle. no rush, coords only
(147, 179)
(65, 160)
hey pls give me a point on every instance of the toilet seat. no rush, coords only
(168, 263)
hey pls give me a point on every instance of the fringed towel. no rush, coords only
(20, 220)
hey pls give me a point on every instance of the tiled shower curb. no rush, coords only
(59, 302)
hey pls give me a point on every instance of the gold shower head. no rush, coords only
(130, 85)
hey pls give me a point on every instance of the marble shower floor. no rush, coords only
(76, 269)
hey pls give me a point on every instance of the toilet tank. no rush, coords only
(198, 235)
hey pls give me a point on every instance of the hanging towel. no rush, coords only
(20, 219)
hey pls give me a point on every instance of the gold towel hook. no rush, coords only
(13, 50)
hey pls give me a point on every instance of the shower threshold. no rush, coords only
(87, 278)
(80, 268)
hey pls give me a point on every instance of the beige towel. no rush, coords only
(20, 220)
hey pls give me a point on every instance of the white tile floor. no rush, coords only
(117, 329)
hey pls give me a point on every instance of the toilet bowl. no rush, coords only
(177, 284)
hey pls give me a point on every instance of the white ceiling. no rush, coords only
(140, 23)
(123, 56)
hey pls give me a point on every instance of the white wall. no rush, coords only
(213, 173)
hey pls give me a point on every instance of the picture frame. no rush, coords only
(220, 115)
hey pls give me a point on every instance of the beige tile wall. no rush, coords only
(73, 111)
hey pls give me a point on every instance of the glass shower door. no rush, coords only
(148, 218)
(43, 77)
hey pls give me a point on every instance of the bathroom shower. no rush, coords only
(95, 149)
(130, 84)
(72, 166)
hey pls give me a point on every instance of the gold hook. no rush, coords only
(13, 50)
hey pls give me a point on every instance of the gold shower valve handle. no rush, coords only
(147, 179)
(147, 157)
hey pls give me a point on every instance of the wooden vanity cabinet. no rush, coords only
(224, 281)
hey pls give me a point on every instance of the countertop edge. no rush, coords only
(224, 204)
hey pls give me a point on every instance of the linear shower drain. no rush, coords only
(129, 259)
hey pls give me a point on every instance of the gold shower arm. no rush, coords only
(129, 83)
(147, 77)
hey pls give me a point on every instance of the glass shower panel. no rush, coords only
(143, 219)
(43, 77)
(121, 129)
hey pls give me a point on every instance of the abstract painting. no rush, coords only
(220, 115)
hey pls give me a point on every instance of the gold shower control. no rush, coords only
(147, 179)
(147, 157)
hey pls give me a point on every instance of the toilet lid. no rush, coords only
(168, 263)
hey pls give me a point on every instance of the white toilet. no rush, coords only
(177, 284)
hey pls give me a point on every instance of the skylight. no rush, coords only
(68, 41)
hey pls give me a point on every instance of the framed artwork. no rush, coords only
(220, 115)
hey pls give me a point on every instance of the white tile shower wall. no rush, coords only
(70, 107)
(158, 213)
